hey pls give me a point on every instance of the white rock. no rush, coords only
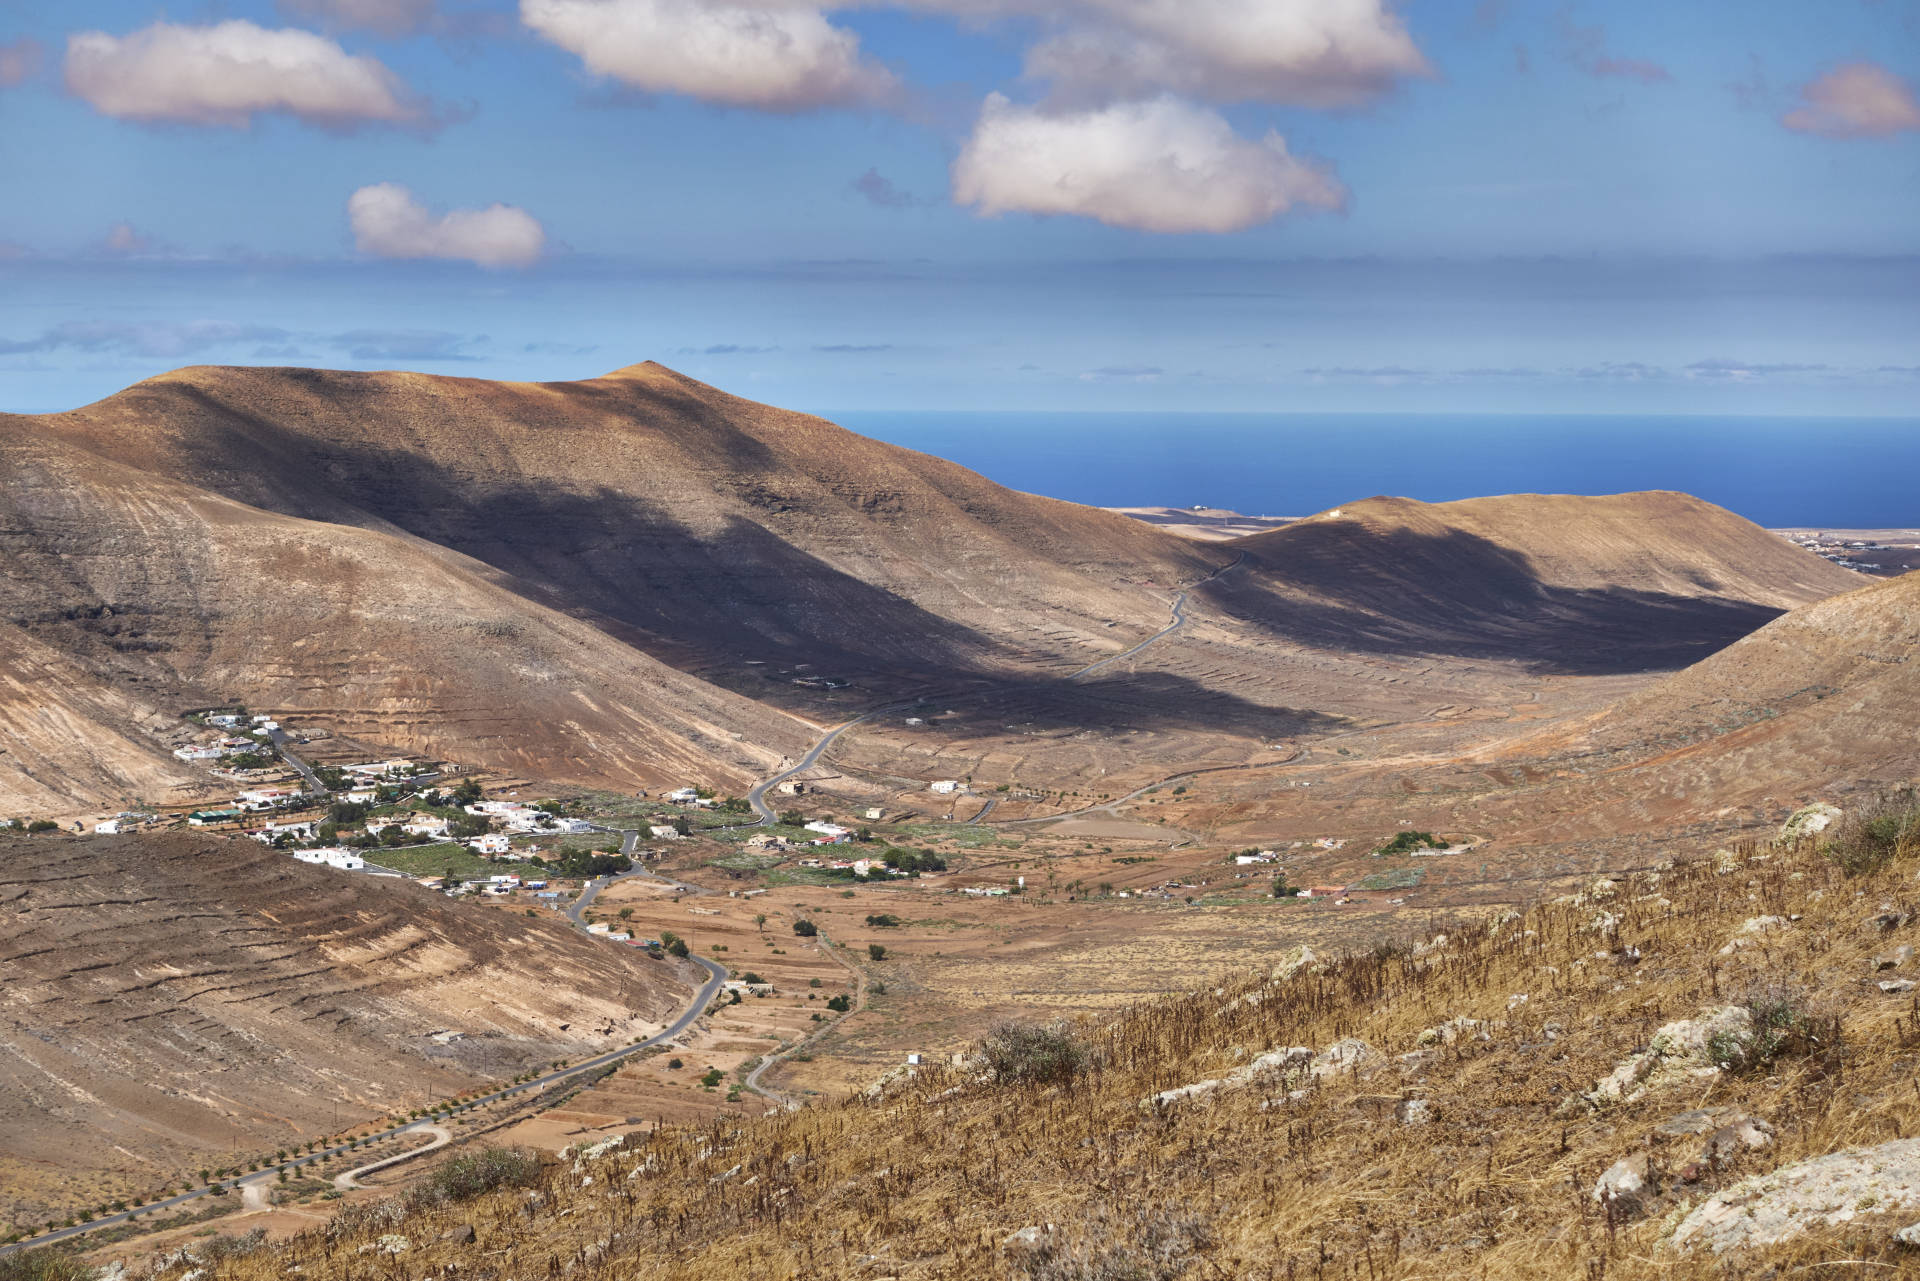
(1679, 1051)
(1821, 1192)
(1810, 821)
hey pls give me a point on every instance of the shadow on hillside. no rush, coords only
(1401, 593)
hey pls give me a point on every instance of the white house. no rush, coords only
(224, 720)
(344, 859)
(792, 787)
(198, 753)
(876, 813)
(945, 787)
(266, 798)
(273, 831)
(425, 825)
(662, 833)
(826, 829)
(489, 843)
(110, 827)
(684, 796)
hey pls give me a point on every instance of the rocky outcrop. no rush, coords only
(1821, 1192)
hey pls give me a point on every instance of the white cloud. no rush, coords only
(388, 17)
(1161, 165)
(771, 56)
(1317, 53)
(228, 73)
(389, 223)
(1857, 100)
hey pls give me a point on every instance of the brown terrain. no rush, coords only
(639, 580)
(174, 1001)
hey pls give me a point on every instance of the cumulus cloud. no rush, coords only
(1857, 100)
(18, 61)
(1316, 53)
(228, 73)
(389, 223)
(388, 17)
(1161, 165)
(770, 56)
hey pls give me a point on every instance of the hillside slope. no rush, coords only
(170, 998)
(1632, 1082)
(1826, 695)
(716, 530)
(1626, 582)
(173, 595)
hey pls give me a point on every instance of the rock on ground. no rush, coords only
(1821, 1192)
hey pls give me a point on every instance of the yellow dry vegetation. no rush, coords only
(1422, 1146)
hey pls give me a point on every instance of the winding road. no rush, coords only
(716, 977)
(758, 796)
(351, 1179)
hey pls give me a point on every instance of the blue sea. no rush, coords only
(1858, 473)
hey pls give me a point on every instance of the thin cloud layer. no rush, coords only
(389, 223)
(19, 61)
(769, 57)
(1163, 165)
(388, 17)
(1315, 53)
(231, 72)
(1855, 100)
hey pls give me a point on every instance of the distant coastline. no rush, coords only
(1817, 473)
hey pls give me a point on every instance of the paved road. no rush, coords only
(758, 796)
(1179, 621)
(716, 976)
(351, 1179)
(281, 745)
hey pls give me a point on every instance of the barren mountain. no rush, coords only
(1631, 582)
(706, 528)
(139, 591)
(1826, 695)
(172, 997)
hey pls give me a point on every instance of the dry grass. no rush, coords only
(929, 1174)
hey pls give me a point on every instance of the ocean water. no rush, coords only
(1858, 473)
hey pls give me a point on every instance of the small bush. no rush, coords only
(473, 1173)
(884, 921)
(876, 951)
(224, 1247)
(1031, 1054)
(1407, 842)
(1876, 837)
(1156, 1244)
(840, 1004)
(48, 1263)
(805, 929)
(1783, 1026)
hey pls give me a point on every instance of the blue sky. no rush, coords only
(1266, 205)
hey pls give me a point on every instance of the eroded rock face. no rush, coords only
(1680, 1051)
(1821, 1192)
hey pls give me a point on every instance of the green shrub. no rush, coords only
(1407, 842)
(45, 1264)
(472, 1174)
(1869, 841)
(1783, 1026)
(1032, 1054)
(876, 951)
(840, 1004)
(805, 929)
